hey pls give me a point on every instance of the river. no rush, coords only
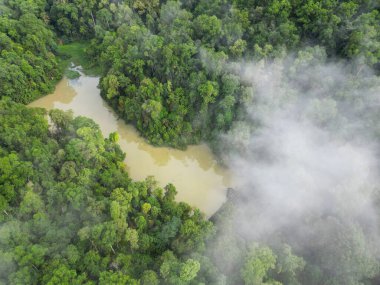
(199, 180)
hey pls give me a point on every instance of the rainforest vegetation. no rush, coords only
(70, 214)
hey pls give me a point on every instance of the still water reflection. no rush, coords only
(199, 180)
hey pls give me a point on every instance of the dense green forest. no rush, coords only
(69, 213)
(163, 61)
(28, 65)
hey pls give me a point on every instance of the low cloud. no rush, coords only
(305, 161)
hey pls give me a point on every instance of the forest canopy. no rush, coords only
(163, 61)
(184, 72)
(28, 66)
(70, 214)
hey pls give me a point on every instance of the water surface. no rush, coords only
(199, 180)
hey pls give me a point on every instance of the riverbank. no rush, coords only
(76, 53)
(199, 179)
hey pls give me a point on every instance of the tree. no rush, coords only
(208, 29)
(189, 270)
(176, 272)
(288, 266)
(149, 278)
(65, 276)
(116, 278)
(258, 262)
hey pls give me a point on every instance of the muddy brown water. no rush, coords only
(199, 180)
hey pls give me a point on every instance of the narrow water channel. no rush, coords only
(199, 180)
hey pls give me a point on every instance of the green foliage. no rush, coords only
(76, 53)
(70, 214)
(147, 75)
(177, 272)
(289, 266)
(149, 278)
(258, 262)
(163, 64)
(72, 74)
(158, 58)
(28, 67)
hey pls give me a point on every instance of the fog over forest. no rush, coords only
(283, 94)
(306, 162)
